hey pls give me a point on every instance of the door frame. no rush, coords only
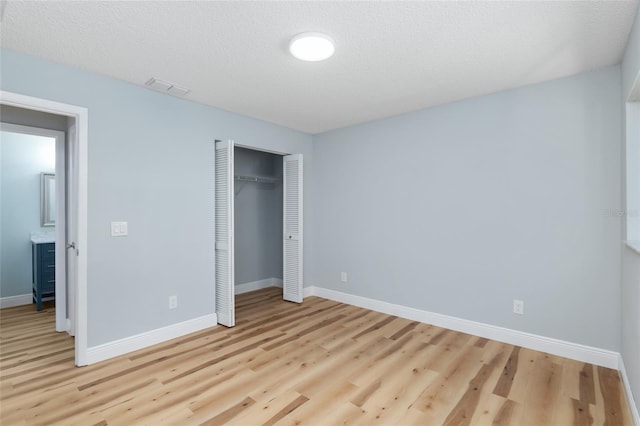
(60, 227)
(79, 141)
(253, 148)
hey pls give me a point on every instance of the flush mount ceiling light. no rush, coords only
(312, 47)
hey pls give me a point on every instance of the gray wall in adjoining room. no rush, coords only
(460, 209)
(631, 259)
(151, 163)
(22, 159)
(26, 117)
(258, 217)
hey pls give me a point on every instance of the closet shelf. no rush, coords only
(258, 179)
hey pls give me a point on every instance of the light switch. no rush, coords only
(119, 229)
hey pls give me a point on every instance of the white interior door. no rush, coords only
(224, 250)
(71, 237)
(292, 226)
(62, 227)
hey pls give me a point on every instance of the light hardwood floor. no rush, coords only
(319, 363)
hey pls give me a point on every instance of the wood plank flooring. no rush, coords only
(318, 363)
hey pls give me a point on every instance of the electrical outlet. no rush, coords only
(173, 302)
(343, 277)
(518, 307)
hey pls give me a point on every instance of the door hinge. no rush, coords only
(73, 246)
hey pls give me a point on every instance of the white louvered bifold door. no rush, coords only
(225, 309)
(292, 226)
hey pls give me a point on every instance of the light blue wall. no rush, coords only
(631, 259)
(258, 218)
(151, 164)
(461, 208)
(631, 61)
(22, 159)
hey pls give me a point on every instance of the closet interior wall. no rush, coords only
(258, 219)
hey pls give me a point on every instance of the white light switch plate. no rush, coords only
(119, 229)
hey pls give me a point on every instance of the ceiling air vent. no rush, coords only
(166, 87)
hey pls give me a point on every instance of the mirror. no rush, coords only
(48, 199)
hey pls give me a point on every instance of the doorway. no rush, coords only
(291, 235)
(71, 244)
(34, 207)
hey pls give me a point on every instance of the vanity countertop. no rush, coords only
(43, 237)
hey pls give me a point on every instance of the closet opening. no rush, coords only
(258, 213)
(258, 225)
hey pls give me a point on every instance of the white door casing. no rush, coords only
(79, 142)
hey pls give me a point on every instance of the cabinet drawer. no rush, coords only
(48, 247)
(48, 269)
(48, 276)
(48, 286)
(48, 252)
(48, 258)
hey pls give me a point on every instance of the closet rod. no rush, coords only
(259, 179)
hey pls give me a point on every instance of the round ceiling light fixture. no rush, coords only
(312, 47)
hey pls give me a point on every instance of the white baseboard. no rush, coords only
(19, 300)
(558, 347)
(257, 285)
(68, 324)
(149, 338)
(627, 388)
(309, 291)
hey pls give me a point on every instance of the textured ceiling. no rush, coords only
(391, 57)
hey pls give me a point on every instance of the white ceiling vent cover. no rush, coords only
(165, 86)
(178, 91)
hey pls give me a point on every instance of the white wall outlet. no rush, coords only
(518, 307)
(173, 302)
(119, 229)
(343, 277)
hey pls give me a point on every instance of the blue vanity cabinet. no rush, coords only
(43, 256)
